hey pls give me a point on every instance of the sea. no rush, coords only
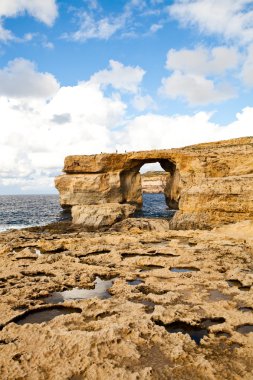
(20, 211)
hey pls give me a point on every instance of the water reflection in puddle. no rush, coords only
(222, 334)
(38, 252)
(137, 281)
(244, 329)
(149, 305)
(183, 269)
(44, 315)
(100, 291)
(146, 268)
(234, 283)
(245, 288)
(196, 332)
(246, 309)
(215, 295)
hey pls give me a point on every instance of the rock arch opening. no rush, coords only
(168, 192)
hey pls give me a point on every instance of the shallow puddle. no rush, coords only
(245, 288)
(155, 254)
(215, 295)
(146, 268)
(149, 305)
(183, 269)
(222, 334)
(234, 283)
(100, 291)
(38, 252)
(244, 329)
(196, 332)
(137, 281)
(44, 315)
(246, 309)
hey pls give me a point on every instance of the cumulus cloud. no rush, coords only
(143, 102)
(43, 10)
(199, 74)
(120, 77)
(38, 134)
(233, 20)
(202, 61)
(180, 130)
(195, 89)
(20, 79)
(247, 70)
(135, 18)
(61, 118)
(5, 34)
(92, 28)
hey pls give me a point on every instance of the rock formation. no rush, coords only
(154, 182)
(137, 300)
(209, 184)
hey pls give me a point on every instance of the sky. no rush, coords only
(92, 76)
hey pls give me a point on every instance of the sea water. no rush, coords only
(19, 211)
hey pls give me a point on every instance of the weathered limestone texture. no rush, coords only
(172, 305)
(154, 182)
(209, 184)
(98, 216)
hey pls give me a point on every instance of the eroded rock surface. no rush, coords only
(209, 184)
(154, 182)
(180, 303)
(97, 216)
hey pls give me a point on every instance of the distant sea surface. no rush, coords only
(19, 211)
(154, 206)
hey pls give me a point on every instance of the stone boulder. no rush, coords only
(98, 216)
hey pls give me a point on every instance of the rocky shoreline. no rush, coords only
(163, 282)
(113, 297)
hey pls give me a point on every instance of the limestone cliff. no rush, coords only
(154, 182)
(210, 184)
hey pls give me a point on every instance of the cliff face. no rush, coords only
(154, 182)
(210, 184)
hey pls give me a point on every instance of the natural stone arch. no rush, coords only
(210, 183)
(131, 187)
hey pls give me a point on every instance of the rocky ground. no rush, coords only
(166, 304)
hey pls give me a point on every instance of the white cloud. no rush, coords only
(154, 131)
(5, 34)
(155, 27)
(123, 78)
(195, 89)
(20, 79)
(38, 134)
(202, 61)
(101, 29)
(43, 10)
(136, 18)
(247, 70)
(143, 102)
(230, 19)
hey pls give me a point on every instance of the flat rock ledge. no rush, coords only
(132, 302)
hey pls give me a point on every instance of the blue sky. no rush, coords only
(85, 76)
